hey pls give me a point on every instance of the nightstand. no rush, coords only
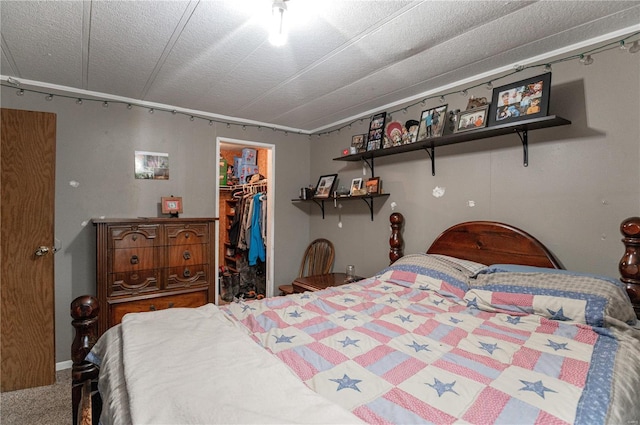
(319, 282)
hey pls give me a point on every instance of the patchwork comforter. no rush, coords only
(427, 340)
(418, 344)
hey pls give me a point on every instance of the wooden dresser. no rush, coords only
(148, 264)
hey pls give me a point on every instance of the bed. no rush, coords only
(485, 327)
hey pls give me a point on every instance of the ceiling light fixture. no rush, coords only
(278, 31)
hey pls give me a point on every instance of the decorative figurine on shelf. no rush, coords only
(171, 205)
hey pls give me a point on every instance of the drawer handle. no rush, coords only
(186, 255)
(152, 307)
(186, 235)
(134, 237)
(170, 305)
(186, 273)
(134, 259)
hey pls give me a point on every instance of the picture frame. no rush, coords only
(393, 132)
(171, 205)
(373, 186)
(472, 119)
(356, 186)
(522, 100)
(432, 122)
(358, 141)
(376, 131)
(324, 188)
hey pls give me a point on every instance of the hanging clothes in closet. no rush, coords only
(247, 233)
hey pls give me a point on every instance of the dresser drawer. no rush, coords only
(185, 234)
(134, 283)
(184, 255)
(191, 299)
(140, 236)
(179, 277)
(134, 259)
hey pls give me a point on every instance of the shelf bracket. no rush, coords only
(524, 138)
(370, 164)
(321, 205)
(431, 151)
(369, 203)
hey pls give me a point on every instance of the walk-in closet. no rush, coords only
(244, 221)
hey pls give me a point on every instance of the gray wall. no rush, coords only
(95, 147)
(581, 182)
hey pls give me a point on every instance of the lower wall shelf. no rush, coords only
(368, 199)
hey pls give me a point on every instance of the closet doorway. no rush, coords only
(239, 261)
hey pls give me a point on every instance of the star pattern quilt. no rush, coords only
(426, 341)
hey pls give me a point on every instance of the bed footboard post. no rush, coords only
(84, 311)
(629, 266)
(395, 241)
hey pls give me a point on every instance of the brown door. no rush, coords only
(27, 153)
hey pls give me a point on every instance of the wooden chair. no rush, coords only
(317, 259)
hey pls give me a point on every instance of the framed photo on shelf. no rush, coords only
(373, 186)
(521, 100)
(432, 123)
(356, 186)
(324, 188)
(359, 142)
(376, 131)
(171, 205)
(472, 119)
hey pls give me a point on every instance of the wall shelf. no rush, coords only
(368, 199)
(521, 128)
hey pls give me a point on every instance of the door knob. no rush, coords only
(42, 250)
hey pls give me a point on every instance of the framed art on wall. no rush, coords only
(521, 100)
(325, 186)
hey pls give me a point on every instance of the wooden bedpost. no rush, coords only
(395, 241)
(84, 311)
(630, 263)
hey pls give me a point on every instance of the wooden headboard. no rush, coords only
(490, 242)
(486, 242)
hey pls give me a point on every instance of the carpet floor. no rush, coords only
(49, 405)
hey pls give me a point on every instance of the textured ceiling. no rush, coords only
(343, 59)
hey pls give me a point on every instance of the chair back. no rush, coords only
(318, 258)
